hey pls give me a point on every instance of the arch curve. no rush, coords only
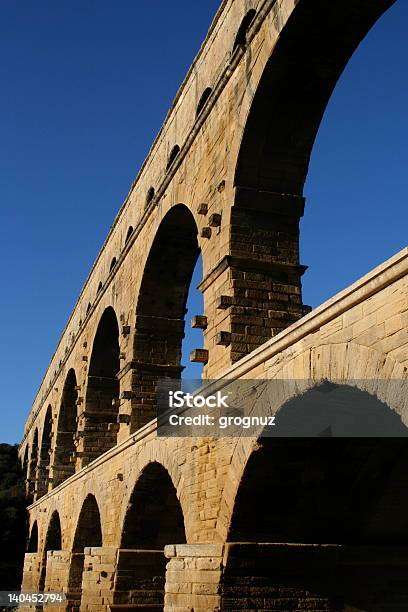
(240, 38)
(149, 196)
(102, 392)
(161, 306)
(64, 457)
(295, 85)
(32, 544)
(173, 154)
(53, 541)
(128, 234)
(203, 100)
(154, 516)
(112, 264)
(44, 463)
(88, 532)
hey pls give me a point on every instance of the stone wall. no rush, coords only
(363, 330)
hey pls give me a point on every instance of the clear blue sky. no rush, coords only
(85, 86)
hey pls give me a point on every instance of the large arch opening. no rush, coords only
(101, 405)
(322, 505)
(311, 53)
(88, 533)
(154, 518)
(43, 469)
(357, 171)
(298, 79)
(53, 541)
(64, 461)
(161, 310)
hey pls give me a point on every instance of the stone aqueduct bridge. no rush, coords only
(245, 523)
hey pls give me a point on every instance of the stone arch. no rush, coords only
(296, 83)
(154, 516)
(43, 469)
(203, 100)
(32, 471)
(323, 490)
(307, 503)
(153, 519)
(293, 80)
(173, 154)
(366, 369)
(88, 533)
(128, 234)
(156, 451)
(99, 419)
(240, 38)
(64, 455)
(149, 196)
(160, 310)
(112, 264)
(53, 541)
(32, 544)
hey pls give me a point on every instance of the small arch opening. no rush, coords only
(241, 36)
(173, 154)
(112, 264)
(88, 308)
(128, 235)
(203, 100)
(99, 288)
(149, 196)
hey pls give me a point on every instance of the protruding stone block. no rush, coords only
(199, 356)
(214, 220)
(124, 418)
(199, 322)
(223, 302)
(223, 338)
(202, 209)
(126, 395)
(205, 232)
